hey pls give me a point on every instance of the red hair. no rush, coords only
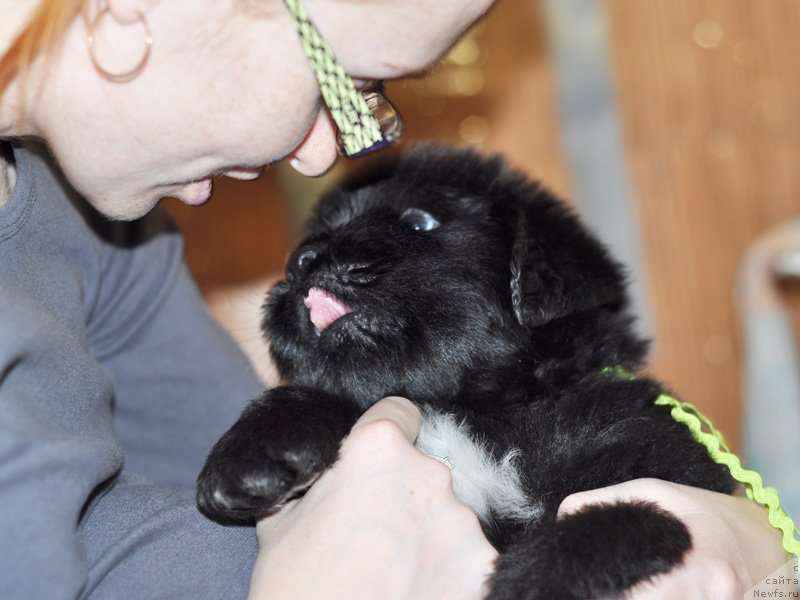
(48, 24)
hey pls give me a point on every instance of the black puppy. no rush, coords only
(447, 279)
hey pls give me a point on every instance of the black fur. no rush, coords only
(506, 316)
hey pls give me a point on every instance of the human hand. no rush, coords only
(733, 545)
(381, 523)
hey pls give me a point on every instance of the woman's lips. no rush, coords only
(197, 192)
(244, 173)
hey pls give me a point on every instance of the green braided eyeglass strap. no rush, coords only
(718, 449)
(358, 128)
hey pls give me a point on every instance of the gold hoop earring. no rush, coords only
(127, 75)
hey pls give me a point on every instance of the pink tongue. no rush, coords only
(324, 308)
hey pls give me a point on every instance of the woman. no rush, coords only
(114, 382)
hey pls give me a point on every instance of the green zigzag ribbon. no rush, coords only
(718, 449)
(714, 442)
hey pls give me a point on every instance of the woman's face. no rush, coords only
(226, 90)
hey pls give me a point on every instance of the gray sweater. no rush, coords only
(114, 383)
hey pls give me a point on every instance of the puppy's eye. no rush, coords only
(419, 220)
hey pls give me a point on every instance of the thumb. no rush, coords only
(396, 411)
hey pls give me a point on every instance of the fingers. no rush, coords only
(382, 439)
(390, 413)
(733, 545)
(384, 433)
(382, 503)
(653, 490)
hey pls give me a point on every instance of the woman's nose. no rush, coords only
(317, 152)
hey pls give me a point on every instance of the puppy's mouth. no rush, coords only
(324, 309)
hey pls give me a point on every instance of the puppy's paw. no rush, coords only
(600, 551)
(244, 479)
(282, 442)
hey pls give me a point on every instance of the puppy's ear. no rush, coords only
(557, 267)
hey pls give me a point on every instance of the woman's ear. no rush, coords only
(119, 37)
(127, 12)
(557, 267)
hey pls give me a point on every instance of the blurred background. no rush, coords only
(674, 127)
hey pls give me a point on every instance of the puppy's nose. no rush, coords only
(306, 257)
(303, 259)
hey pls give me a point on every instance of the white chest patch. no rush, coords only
(488, 486)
